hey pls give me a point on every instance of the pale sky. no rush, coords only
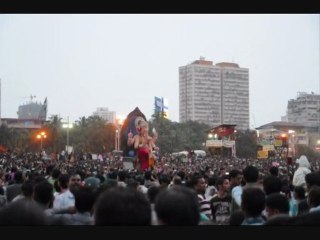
(84, 61)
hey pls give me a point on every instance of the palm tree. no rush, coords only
(54, 130)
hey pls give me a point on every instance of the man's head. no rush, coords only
(198, 183)
(252, 201)
(164, 180)
(299, 193)
(176, 180)
(312, 179)
(250, 174)
(43, 193)
(84, 199)
(75, 180)
(235, 177)
(63, 181)
(274, 171)
(177, 206)
(19, 177)
(223, 184)
(271, 184)
(277, 203)
(122, 206)
(314, 197)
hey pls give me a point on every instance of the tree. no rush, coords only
(54, 133)
(175, 136)
(162, 127)
(92, 134)
(96, 134)
(4, 135)
(16, 139)
(246, 144)
(308, 152)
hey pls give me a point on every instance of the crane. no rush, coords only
(31, 97)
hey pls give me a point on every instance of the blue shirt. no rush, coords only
(253, 221)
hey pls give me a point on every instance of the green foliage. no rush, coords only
(54, 132)
(246, 144)
(90, 134)
(174, 137)
(308, 152)
(4, 135)
(15, 139)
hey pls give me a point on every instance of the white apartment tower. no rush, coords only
(104, 113)
(304, 108)
(214, 94)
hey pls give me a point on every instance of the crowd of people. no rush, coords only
(207, 191)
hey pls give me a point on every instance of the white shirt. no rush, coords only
(299, 176)
(142, 189)
(210, 191)
(19, 197)
(315, 209)
(64, 201)
(301, 172)
(236, 194)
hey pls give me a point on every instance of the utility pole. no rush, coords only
(0, 102)
(68, 135)
(67, 126)
(319, 81)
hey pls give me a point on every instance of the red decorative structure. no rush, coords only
(222, 140)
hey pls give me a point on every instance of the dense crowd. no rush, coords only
(81, 190)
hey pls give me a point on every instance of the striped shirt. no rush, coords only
(205, 207)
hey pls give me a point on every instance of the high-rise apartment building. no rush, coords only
(304, 109)
(214, 94)
(104, 113)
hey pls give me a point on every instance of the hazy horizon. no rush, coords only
(121, 61)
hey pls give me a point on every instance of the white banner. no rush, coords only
(69, 149)
(214, 143)
(228, 144)
(220, 143)
(268, 147)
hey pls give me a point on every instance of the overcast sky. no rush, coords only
(85, 61)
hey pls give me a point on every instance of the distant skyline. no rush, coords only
(121, 61)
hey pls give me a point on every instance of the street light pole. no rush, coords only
(68, 134)
(116, 140)
(67, 126)
(41, 136)
(118, 125)
(292, 142)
